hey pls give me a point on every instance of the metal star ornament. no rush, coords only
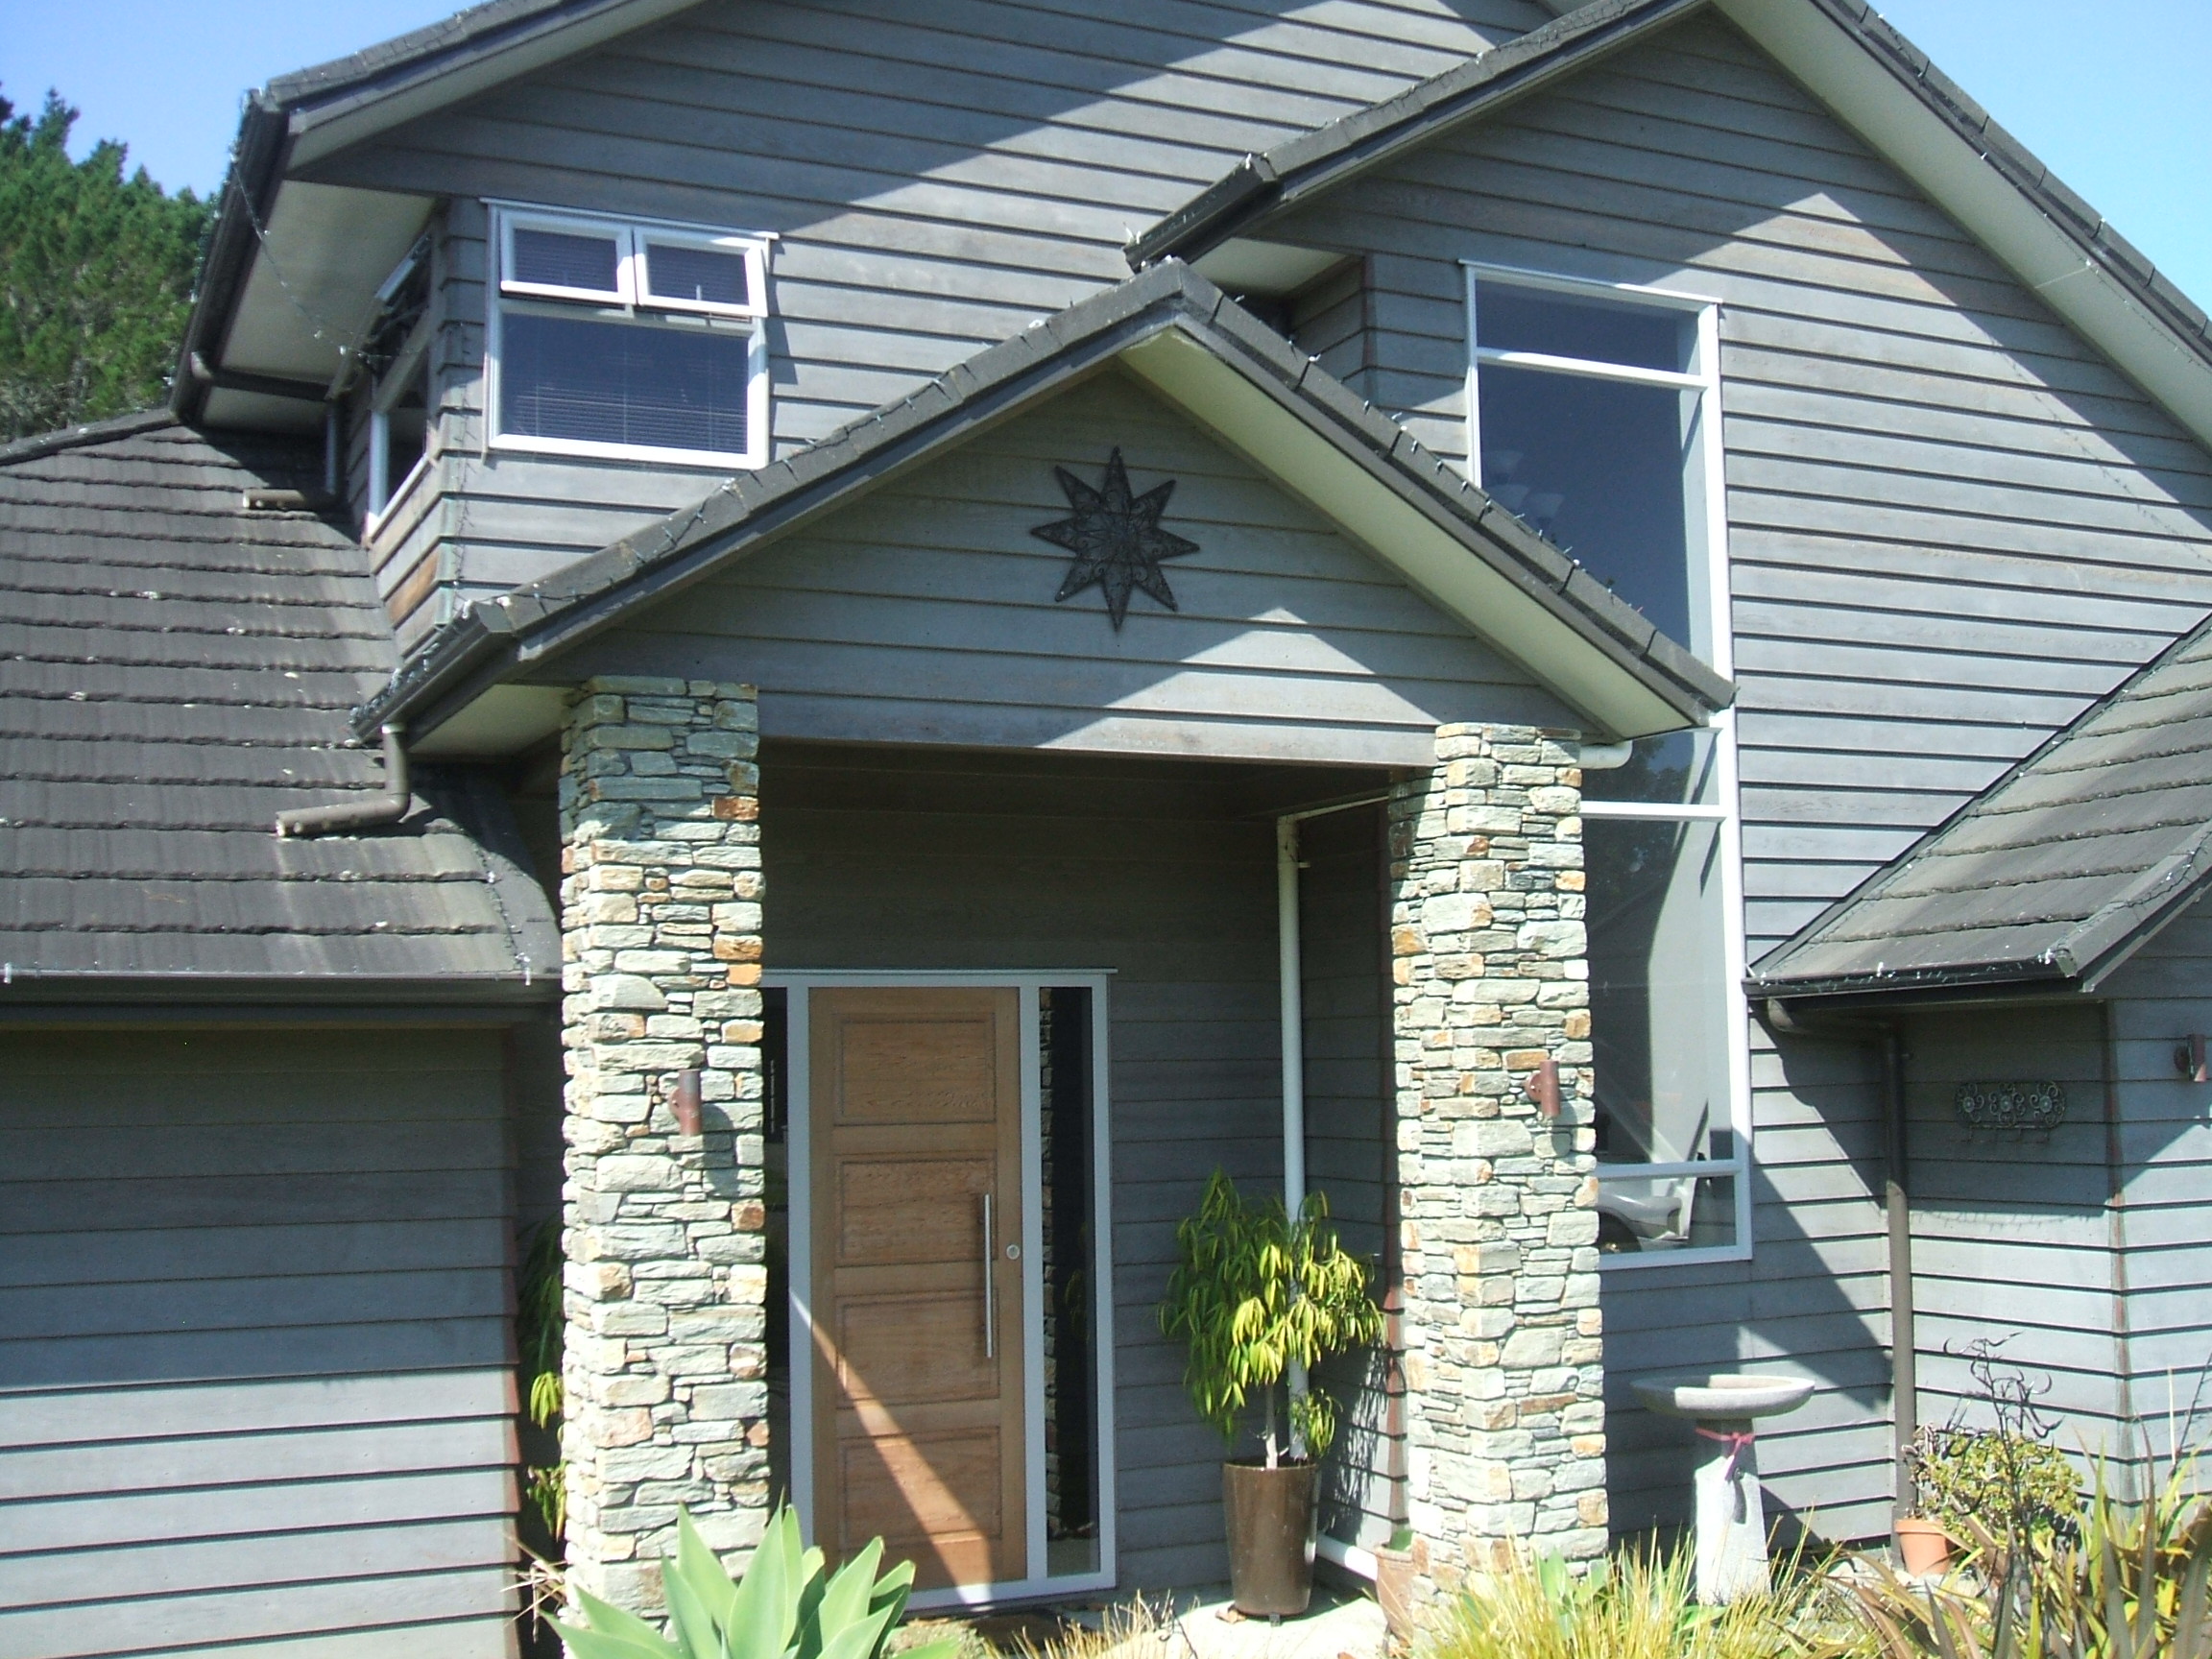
(1116, 538)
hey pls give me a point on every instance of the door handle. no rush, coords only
(990, 1299)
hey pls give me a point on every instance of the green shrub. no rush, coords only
(783, 1608)
(2130, 1582)
(2005, 1480)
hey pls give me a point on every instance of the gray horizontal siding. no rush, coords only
(1952, 525)
(926, 613)
(2012, 1237)
(937, 181)
(2163, 1158)
(256, 1351)
(1159, 871)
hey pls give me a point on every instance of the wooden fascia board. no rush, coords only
(1435, 564)
(1895, 119)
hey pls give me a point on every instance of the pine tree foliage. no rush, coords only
(95, 277)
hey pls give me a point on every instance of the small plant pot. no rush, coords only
(1394, 1572)
(1922, 1546)
(1270, 1517)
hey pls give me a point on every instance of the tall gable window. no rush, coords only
(1594, 414)
(629, 339)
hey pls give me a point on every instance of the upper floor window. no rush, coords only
(397, 354)
(628, 338)
(1594, 414)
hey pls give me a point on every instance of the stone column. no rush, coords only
(667, 1286)
(1503, 1363)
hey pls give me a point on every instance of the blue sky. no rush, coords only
(2115, 95)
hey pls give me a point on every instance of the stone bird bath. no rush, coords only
(1731, 1517)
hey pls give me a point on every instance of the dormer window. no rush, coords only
(628, 339)
(397, 355)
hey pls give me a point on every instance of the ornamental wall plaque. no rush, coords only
(2029, 1106)
(1116, 538)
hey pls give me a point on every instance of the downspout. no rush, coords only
(1904, 1336)
(372, 813)
(1887, 1038)
(1291, 986)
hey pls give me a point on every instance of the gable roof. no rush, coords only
(175, 669)
(2053, 875)
(1196, 348)
(1869, 76)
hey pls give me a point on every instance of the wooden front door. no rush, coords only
(917, 1295)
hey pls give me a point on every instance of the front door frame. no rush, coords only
(798, 1138)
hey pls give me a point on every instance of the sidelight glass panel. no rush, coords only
(1071, 1313)
(1659, 1026)
(603, 381)
(1679, 769)
(1641, 1213)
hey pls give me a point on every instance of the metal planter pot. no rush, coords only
(1270, 1515)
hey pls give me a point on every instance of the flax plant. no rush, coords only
(1255, 1294)
(2133, 1582)
(1639, 1605)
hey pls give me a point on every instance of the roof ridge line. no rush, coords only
(38, 443)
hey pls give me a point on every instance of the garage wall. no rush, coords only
(256, 1343)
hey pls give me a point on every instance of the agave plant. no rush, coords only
(783, 1608)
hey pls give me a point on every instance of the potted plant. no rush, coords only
(2002, 1482)
(1255, 1294)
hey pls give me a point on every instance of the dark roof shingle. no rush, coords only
(2055, 874)
(173, 672)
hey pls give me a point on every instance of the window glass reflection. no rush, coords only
(1679, 769)
(1658, 990)
(1508, 318)
(1636, 1214)
(1605, 470)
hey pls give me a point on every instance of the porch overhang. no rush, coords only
(1410, 509)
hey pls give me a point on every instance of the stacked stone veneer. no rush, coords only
(1503, 1355)
(667, 1277)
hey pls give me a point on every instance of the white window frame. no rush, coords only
(384, 491)
(628, 302)
(1725, 810)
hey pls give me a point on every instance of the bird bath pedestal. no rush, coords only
(1731, 1518)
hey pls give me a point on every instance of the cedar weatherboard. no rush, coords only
(1316, 162)
(492, 638)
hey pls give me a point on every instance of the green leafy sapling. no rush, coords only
(1255, 1294)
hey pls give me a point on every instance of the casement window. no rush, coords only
(628, 339)
(397, 354)
(1594, 414)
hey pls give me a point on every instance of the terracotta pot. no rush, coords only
(1394, 1570)
(1270, 1516)
(1923, 1546)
